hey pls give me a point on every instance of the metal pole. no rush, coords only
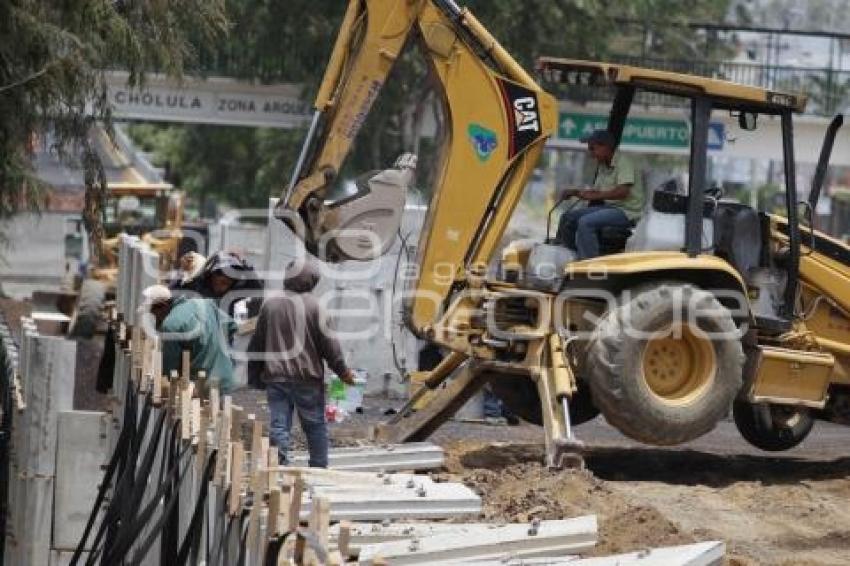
(303, 155)
(699, 151)
(791, 206)
(568, 429)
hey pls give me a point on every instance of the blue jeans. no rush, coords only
(309, 398)
(579, 229)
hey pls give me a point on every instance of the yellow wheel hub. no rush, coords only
(679, 366)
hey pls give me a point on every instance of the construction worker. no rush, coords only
(613, 199)
(289, 349)
(195, 324)
(224, 272)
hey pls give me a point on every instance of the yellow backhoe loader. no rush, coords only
(704, 307)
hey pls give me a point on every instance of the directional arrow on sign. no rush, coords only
(568, 126)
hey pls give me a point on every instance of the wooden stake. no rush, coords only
(237, 460)
(185, 411)
(257, 459)
(156, 371)
(201, 384)
(203, 425)
(300, 554)
(319, 524)
(196, 421)
(273, 520)
(223, 442)
(343, 541)
(285, 524)
(263, 457)
(215, 404)
(252, 541)
(296, 493)
(236, 424)
(186, 366)
(173, 390)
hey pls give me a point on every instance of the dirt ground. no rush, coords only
(768, 510)
(786, 509)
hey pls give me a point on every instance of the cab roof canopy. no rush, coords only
(726, 94)
(139, 189)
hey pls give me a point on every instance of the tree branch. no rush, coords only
(28, 79)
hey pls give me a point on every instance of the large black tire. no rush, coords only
(519, 394)
(659, 387)
(772, 428)
(89, 311)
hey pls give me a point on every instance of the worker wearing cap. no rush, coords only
(194, 324)
(614, 199)
(226, 277)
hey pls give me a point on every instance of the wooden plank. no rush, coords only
(256, 445)
(284, 525)
(215, 404)
(263, 457)
(201, 384)
(318, 524)
(156, 372)
(136, 354)
(236, 471)
(174, 391)
(343, 538)
(296, 493)
(223, 442)
(273, 521)
(252, 540)
(185, 411)
(186, 366)
(201, 436)
(195, 424)
(236, 418)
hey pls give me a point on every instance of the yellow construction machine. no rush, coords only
(151, 211)
(706, 306)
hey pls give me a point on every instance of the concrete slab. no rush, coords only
(551, 538)
(438, 501)
(82, 449)
(412, 456)
(699, 554)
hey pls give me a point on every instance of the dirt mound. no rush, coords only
(516, 487)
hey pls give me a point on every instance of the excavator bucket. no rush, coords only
(363, 226)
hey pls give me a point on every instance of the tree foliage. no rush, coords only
(53, 54)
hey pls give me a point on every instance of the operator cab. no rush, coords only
(684, 212)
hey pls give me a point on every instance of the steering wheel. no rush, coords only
(715, 191)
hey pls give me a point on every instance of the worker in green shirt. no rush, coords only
(195, 324)
(614, 199)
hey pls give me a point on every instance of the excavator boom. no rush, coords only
(497, 121)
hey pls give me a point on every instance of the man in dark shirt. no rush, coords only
(295, 340)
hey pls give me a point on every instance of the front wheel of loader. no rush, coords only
(89, 311)
(772, 428)
(666, 364)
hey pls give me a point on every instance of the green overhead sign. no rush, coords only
(657, 132)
